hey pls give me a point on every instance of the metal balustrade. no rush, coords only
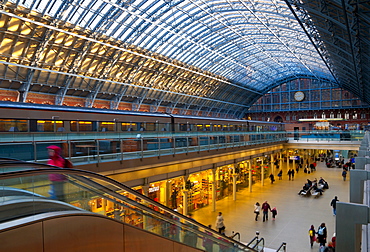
(96, 148)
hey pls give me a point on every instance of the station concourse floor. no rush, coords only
(296, 213)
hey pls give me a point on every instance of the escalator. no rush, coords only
(97, 213)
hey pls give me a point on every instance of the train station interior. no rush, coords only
(130, 125)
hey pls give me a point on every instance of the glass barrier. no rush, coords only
(326, 136)
(101, 195)
(84, 149)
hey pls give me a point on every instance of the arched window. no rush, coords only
(355, 115)
(346, 115)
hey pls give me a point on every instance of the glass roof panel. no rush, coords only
(253, 44)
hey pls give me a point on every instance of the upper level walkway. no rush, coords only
(101, 147)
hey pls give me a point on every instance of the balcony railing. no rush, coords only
(96, 148)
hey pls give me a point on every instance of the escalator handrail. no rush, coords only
(250, 243)
(48, 169)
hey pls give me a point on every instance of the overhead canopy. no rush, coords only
(214, 56)
(343, 29)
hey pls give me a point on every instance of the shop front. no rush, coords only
(199, 188)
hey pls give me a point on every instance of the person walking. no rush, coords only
(280, 174)
(344, 174)
(322, 234)
(333, 203)
(265, 208)
(274, 213)
(57, 180)
(312, 234)
(290, 174)
(312, 167)
(257, 209)
(220, 223)
(272, 178)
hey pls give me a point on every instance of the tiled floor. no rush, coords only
(295, 213)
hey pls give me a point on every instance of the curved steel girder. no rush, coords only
(139, 31)
(339, 24)
(230, 50)
(90, 99)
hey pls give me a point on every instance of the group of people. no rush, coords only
(314, 187)
(309, 168)
(265, 209)
(321, 238)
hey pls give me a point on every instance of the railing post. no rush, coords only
(121, 148)
(142, 146)
(198, 137)
(187, 145)
(209, 142)
(69, 149)
(98, 151)
(174, 145)
(34, 151)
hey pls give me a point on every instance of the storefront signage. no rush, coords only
(153, 189)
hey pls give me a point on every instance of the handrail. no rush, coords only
(261, 240)
(46, 169)
(250, 243)
(235, 234)
(282, 247)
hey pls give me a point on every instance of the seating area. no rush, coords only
(314, 187)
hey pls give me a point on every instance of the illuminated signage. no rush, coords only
(153, 189)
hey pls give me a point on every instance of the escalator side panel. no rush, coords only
(76, 233)
(24, 238)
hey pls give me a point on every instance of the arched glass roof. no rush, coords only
(206, 55)
(250, 43)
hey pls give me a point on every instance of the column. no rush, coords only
(287, 160)
(167, 193)
(185, 193)
(262, 171)
(104, 206)
(145, 189)
(281, 160)
(214, 170)
(349, 226)
(272, 164)
(234, 185)
(185, 201)
(249, 162)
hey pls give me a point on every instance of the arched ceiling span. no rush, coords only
(209, 55)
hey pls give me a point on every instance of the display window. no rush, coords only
(242, 172)
(199, 190)
(224, 181)
(176, 199)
